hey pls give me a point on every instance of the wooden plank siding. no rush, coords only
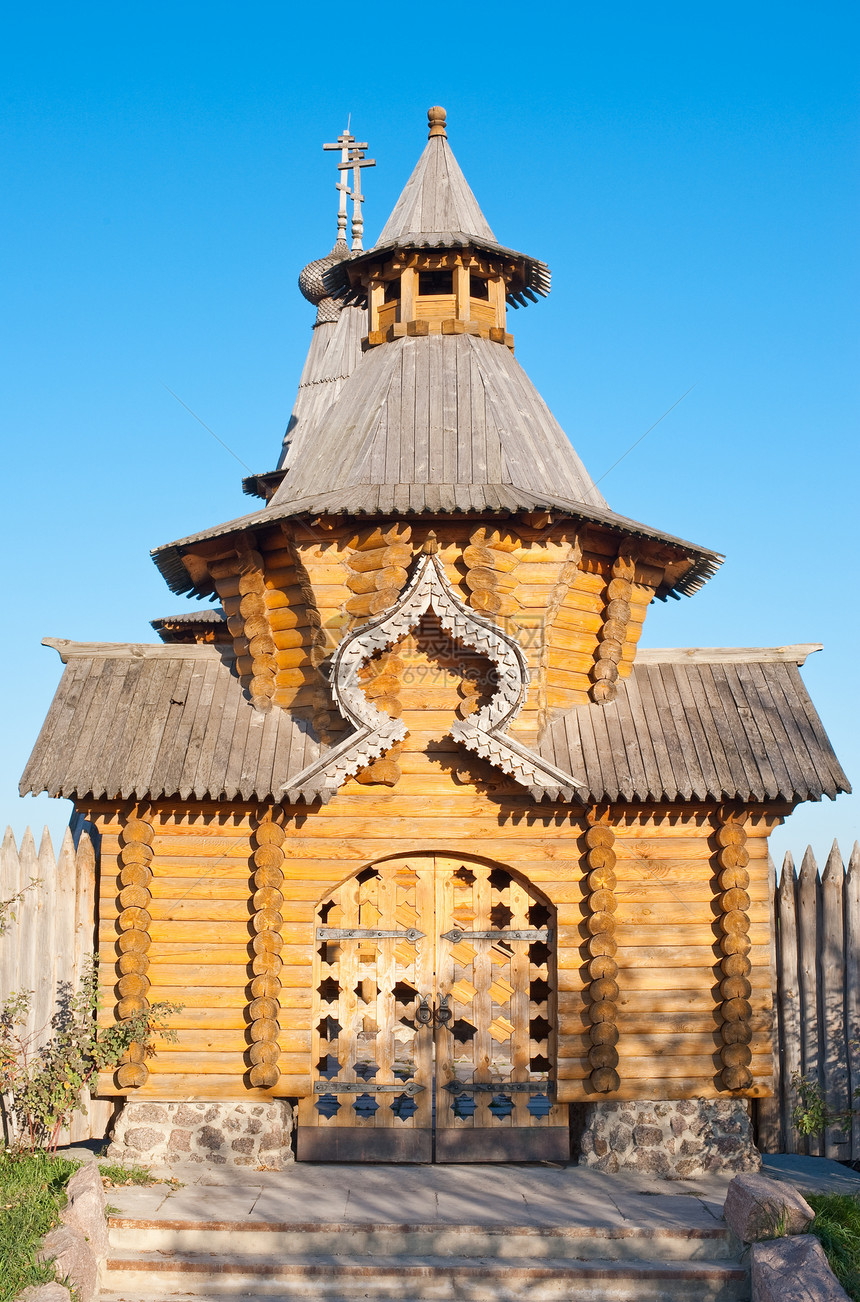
(666, 891)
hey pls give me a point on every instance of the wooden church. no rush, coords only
(406, 823)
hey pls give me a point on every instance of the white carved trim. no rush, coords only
(482, 733)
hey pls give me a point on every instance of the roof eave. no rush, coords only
(169, 558)
(343, 280)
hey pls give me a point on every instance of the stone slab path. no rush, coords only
(495, 1233)
(811, 1174)
(439, 1195)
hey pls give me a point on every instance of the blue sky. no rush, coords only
(688, 172)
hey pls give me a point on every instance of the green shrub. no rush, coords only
(43, 1074)
(811, 1114)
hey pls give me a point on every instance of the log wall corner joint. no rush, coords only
(602, 987)
(265, 987)
(613, 631)
(133, 943)
(733, 880)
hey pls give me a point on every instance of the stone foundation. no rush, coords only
(221, 1134)
(674, 1140)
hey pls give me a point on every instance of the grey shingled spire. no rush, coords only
(436, 199)
(451, 419)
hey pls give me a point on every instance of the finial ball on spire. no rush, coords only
(436, 121)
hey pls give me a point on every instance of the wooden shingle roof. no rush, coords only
(437, 210)
(425, 425)
(432, 411)
(437, 199)
(334, 354)
(730, 724)
(439, 423)
(136, 721)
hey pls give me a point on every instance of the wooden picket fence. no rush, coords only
(50, 939)
(817, 1002)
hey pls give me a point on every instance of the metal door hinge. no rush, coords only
(410, 1087)
(368, 933)
(455, 935)
(499, 1087)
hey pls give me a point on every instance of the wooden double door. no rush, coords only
(434, 1019)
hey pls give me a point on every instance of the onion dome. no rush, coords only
(312, 283)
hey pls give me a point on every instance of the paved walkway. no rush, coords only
(428, 1195)
(811, 1174)
(545, 1195)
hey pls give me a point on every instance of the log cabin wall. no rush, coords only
(666, 924)
(573, 600)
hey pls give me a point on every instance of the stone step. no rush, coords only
(137, 1276)
(265, 1239)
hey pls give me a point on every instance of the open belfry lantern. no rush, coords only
(407, 825)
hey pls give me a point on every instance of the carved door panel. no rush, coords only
(496, 999)
(433, 1021)
(372, 1032)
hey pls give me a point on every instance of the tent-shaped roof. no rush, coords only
(452, 410)
(437, 209)
(436, 199)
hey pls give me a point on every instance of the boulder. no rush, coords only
(73, 1259)
(757, 1207)
(86, 1210)
(793, 1270)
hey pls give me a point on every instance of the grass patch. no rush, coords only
(115, 1175)
(837, 1225)
(32, 1193)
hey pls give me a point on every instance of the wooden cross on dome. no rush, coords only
(351, 157)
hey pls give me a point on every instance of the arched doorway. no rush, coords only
(434, 1018)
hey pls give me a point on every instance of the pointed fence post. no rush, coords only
(94, 1121)
(790, 1019)
(64, 931)
(64, 937)
(832, 1038)
(29, 917)
(851, 908)
(769, 1111)
(85, 940)
(10, 885)
(808, 891)
(43, 941)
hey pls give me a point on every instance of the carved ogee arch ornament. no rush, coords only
(484, 732)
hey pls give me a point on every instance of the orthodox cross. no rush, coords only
(357, 161)
(351, 158)
(343, 143)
